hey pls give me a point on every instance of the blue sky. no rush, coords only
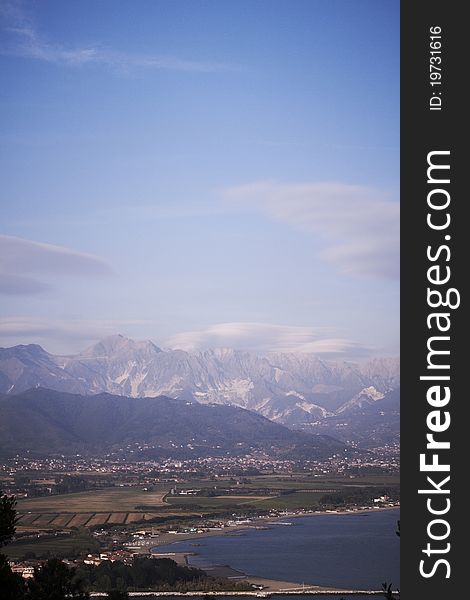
(201, 173)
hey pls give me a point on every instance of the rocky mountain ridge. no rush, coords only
(291, 389)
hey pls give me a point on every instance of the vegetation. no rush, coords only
(115, 499)
(7, 518)
(70, 423)
(55, 580)
(151, 573)
(76, 544)
(11, 584)
(119, 506)
(358, 496)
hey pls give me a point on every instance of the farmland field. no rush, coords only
(48, 521)
(210, 502)
(119, 506)
(58, 545)
(95, 501)
(288, 501)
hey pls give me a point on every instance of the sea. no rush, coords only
(348, 551)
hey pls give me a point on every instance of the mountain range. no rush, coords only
(299, 390)
(49, 422)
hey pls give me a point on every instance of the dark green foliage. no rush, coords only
(145, 573)
(358, 495)
(7, 518)
(12, 585)
(69, 484)
(56, 581)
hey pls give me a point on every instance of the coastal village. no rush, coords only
(122, 544)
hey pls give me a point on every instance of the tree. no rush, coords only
(8, 518)
(11, 584)
(54, 580)
(387, 591)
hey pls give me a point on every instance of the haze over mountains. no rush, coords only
(297, 390)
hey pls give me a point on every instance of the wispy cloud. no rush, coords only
(72, 335)
(263, 338)
(23, 39)
(358, 226)
(23, 261)
(83, 329)
(63, 335)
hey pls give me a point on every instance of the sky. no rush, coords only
(201, 173)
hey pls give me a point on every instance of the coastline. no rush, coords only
(166, 539)
(203, 594)
(261, 585)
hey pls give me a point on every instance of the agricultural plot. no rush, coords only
(94, 501)
(27, 519)
(70, 520)
(206, 502)
(61, 546)
(79, 520)
(133, 517)
(117, 518)
(295, 500)
(61, 520)
(98, 519)
(44, 519)
(125, 506)
(114, 506)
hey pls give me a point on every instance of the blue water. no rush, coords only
(353, 551)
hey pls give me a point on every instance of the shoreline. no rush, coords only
(204, 594)
(266, 586)
(167, 539)
(259, 594)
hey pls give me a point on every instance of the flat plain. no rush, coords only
(93, 501)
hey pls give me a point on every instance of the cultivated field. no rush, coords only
(62, 546)
(68, 520)
(294, 500)
(127, 505)
(113, 506)
(94, 501)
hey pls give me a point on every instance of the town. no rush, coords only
(89, 510)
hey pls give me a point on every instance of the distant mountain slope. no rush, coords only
(365, 397)
(293, 389)
(371, 420)
(50, 422)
